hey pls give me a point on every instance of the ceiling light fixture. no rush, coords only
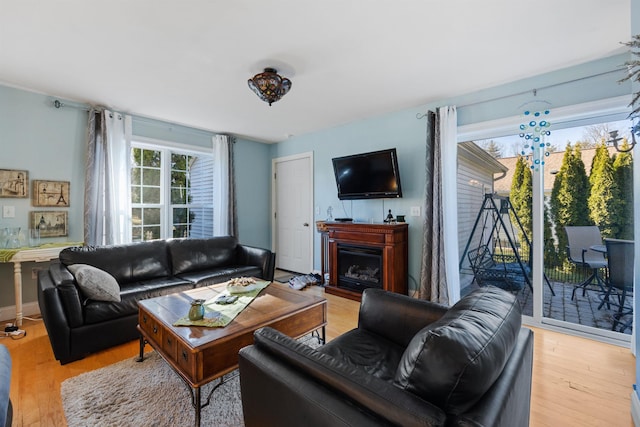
(269, 85)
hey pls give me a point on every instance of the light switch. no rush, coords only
(8, 211)
(415, 210)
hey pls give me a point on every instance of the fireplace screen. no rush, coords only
(359, 267)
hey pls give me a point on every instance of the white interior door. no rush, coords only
(293, 212)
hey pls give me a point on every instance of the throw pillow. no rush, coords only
(456, 359)
(96, 284)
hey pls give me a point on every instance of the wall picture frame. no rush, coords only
(48, 193)
(50, 223)
(14, 183)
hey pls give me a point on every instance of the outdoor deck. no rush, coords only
(583, 310)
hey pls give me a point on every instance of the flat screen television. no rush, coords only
(371, 175)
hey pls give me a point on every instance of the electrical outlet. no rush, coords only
(415, 210)
(8, 211)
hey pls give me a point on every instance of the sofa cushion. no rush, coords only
(370, 352)
(211, 276)
(96, 284)
(131, 293)
(188, 255)
(127, 262)
(455, 360)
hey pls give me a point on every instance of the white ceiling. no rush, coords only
(187, 62)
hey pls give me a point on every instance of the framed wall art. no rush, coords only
(50, 193)
(50, 223)
(14, 183)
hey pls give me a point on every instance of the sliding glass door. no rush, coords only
(516, 215)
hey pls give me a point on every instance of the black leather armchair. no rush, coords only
(409, 362)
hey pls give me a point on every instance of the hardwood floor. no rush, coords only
(577, 382)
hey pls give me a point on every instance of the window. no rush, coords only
(171, 193)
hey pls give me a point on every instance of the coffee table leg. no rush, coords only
(142, 343)
(320, 335)
(196, 399)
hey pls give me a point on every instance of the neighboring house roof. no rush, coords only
(552, 165)
(476, 154)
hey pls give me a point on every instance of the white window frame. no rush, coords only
(167, 148)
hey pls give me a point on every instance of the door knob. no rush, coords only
(306, 224)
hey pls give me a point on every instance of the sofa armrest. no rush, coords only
(508, 402)
(68, 293)
(360, 394)
(61, 308)
(396, 317)
(263, 258)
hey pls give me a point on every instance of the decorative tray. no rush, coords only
(241, 285)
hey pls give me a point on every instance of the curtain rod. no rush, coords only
(84, 107)
(534, 91)
(59, 104)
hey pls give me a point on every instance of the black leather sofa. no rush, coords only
(408, 363)
(78, 326)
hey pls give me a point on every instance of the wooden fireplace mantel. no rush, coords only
(391, 238)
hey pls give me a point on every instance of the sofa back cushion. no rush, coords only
(126, 263)
(188, 255)
(453, 361)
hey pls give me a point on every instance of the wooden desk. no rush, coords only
(20, 255)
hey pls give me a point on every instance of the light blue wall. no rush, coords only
(50, 144)
(44, 141)
(405, 132)
(253, 192)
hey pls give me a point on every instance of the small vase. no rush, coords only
(196, 312)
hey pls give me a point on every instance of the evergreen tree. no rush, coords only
(515, 194)
(521, 197)
(569, 195)
(525, 210)
(493, 149)
(551, 258)
(604, 202)
(623, 172)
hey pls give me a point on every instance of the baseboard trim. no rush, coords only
(28, 309)
(635, 408)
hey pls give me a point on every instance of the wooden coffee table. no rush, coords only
(200, 354)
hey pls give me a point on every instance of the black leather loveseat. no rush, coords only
(408, 363)
(78, 325)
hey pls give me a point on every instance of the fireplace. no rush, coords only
(364, 255)
(359, 267)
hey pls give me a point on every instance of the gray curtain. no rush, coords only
(233, 211)
(94, 186)
(433, 283)
(107, 198)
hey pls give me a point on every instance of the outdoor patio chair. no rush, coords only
(619, 280)
(580, 251)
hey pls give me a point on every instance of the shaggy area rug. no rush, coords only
(150, 393)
